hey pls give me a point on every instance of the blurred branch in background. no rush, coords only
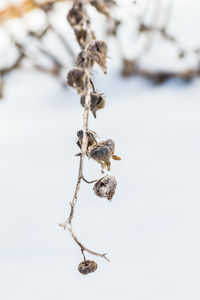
(150, 21)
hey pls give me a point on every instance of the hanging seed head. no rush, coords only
(97, 102)
(98, 52)
(75, 15)
(87, 267)
(102, 152)
(77, 78)
(105, 187)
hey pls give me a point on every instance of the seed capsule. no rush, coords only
(105, 187)
(87, 266)
(97, 102)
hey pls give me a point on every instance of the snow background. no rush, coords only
(151, 230)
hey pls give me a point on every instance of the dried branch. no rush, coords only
(80, 79)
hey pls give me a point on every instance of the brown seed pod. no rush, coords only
(102, 152)
(84, 60)
(87, 267)
(97, 102)
(98, 52)
(78, 78)
(75, 15)
(105, 187)
(91, 138)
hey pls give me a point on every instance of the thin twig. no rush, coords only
(67, 224)
(87, 181)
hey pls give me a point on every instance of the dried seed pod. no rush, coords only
(84, 60)
(102, 152)
(78, 78)
(105, 187)
(98, 52)
(97, 102)
(75, 15)
(87, 267)
(91, 138)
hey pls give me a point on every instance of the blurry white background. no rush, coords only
(151, 230)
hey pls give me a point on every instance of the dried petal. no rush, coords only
(87, 266)
(105, 187)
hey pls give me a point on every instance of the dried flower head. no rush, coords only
(78, 79)
(105, 187)
(102, 152)
(98, 52)
(87, 267)
(97, 102)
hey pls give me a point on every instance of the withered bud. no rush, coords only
(97, 102)
(75, 15)
(102, 152)
(105, 187)
(91, 135)
(87, 267)
(77, 78)
(98, 52)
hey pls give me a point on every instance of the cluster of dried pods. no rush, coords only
(92, 51)
(151, 21)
